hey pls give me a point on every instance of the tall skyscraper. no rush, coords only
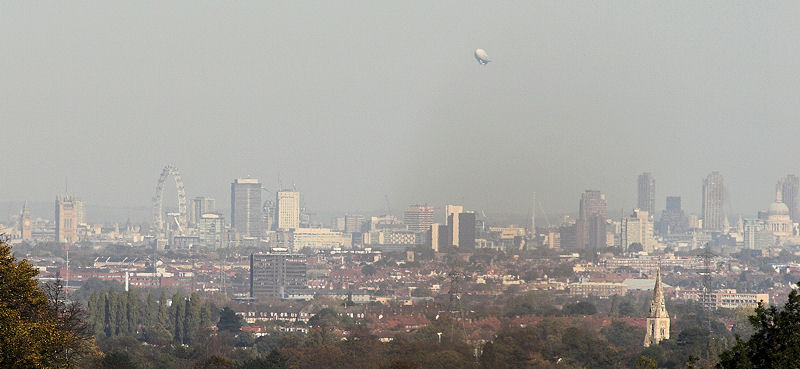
(674, 203)
(68, 212)
(647, 193)
(353, 223)
(287, 207)
(673, 220)
(756, 235)
(418, 218)
(452, 222)
(246, 214)
(790, 185)
(210, 228)
(638, 228)
(464, 232)
(713, 198)
(460, 227)
(25, 223)
(452, 209)
(200, 206)
(592, 203)
(658, 320)
(590, 229)
(438, 237)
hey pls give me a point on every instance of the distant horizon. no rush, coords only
(351, 104)
(143, 214)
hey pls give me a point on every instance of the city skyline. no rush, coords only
(463, 184)
(574, 96)
(11, 206)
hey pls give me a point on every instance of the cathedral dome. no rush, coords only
(778, 208)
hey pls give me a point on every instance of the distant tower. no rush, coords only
(533, 216)
(658, 320)
(790, 185)
(198, 207)
(647, 193)
(246, 214)
(287, 209)
(673, 220)
(25, 223)
(460, 227)
(590, 229)
(68, 213)
(713, 198)
(353, 223)
(418, 218)
(638, 228)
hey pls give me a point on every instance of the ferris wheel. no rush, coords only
(158, 220)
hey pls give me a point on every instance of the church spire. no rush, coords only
(658, 320)
(658, 308)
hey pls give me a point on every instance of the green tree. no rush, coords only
(96, 312)
(325, 317)
(215, 362)
(623, 335)
(580, 308)
(148, 311)
(402, 364)
(118, 360)
(229, 321)
(646, 362)
(121, 320)
(626, 309)
(39, 327)
(275, 360)
(163, 311)
(192, 318)
(110, 321)
(635, 247)
(446, 359)
(205, 315)
(131, 316)
(775, 342)
(178, 318)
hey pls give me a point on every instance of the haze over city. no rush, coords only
(350, 104)
(400, 185)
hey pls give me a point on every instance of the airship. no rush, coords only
(481, 56)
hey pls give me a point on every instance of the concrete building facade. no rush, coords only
(287, 209)
(277, 274)
(713, 199)
(246, 214)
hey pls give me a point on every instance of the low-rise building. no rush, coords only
(602, 289)
(727, 299)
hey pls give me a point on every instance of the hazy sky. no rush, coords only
(352, 101)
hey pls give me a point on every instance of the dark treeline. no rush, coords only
(158, 321)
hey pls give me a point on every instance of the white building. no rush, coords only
(210, 228)
(287, 207)
(638, 228)
(390, 237)
(318, 238)
(779, 222)
(756, 236)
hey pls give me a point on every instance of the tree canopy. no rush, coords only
(775, 343)
(39, 327)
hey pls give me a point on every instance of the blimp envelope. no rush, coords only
(481, 56)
